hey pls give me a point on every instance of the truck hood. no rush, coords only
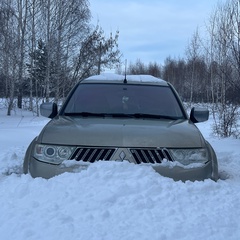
(126, 132)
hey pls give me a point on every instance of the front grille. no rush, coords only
(150, 155)
(92, 154)
(138, 156)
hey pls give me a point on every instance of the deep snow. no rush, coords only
(112, 200)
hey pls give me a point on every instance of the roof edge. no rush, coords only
(140, 78)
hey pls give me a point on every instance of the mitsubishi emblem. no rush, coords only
(122, 155)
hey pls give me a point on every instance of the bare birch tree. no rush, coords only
(22, 15)
(9, 49)
(194, 56)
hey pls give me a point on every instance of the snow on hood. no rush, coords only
(132, 78)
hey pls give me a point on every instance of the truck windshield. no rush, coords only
(129, 100)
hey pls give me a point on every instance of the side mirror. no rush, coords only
(199, 115)
(48, 110)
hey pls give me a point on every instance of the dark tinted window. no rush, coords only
(124, 98)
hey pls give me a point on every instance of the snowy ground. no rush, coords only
(113, 201)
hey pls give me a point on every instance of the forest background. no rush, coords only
(46, 46)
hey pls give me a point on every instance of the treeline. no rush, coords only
(48, 45)
(195, 80)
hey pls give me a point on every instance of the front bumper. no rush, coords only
(45, 170)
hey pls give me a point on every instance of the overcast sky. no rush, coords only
(152, 30)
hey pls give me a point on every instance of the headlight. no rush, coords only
(189, 156)
(52, 154)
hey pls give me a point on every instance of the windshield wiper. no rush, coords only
(120, 115)
(86, 114)
(155, 116)
(91, 114)
(141, 115)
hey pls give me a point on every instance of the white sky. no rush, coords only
(152, 30)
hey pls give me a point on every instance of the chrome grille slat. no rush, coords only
(166, 153)
(145, 158)
(159, 156)
(151, 156)
(109, 154)
(91, 157)
(136, 156)
(86, 153)
(76, 154)
(99, 154)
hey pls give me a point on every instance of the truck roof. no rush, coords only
(118, 78)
